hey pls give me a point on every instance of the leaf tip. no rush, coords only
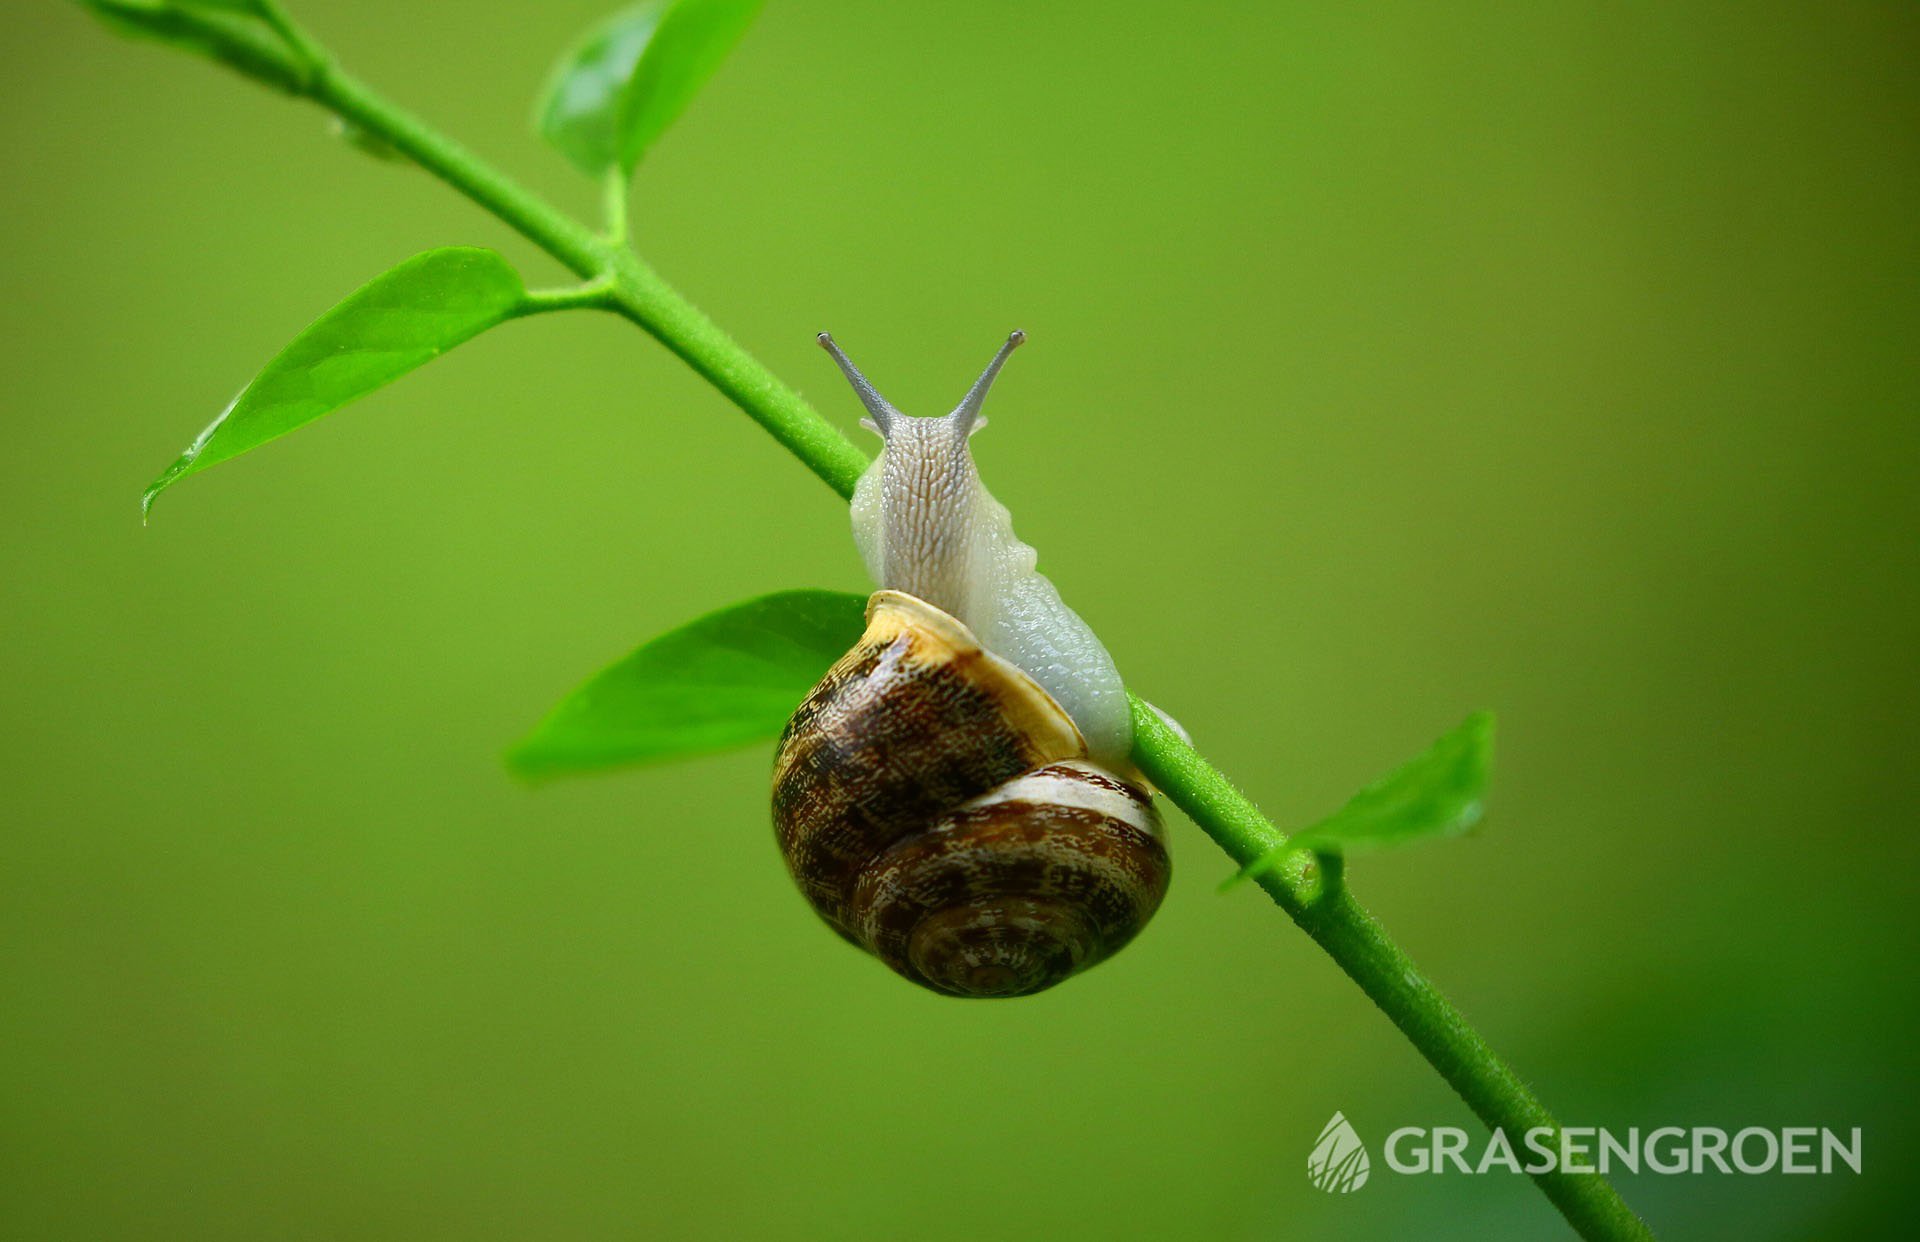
(529, 760)
(152, 494)
(182, 466)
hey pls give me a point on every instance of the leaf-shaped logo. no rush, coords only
(1338, 1163)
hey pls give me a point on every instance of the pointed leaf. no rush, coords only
(729, 679)
(1437, 794)
(693, 38)
(407, 317)
(578, 112)
(630, 77)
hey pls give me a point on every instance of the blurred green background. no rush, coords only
(1387, 362)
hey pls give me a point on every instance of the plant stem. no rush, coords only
(1314, 895)
(304, 49)
(1319, 902)
(638, 293)
(613, 205)
(595, 294)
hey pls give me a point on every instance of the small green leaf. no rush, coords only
(1437, 794)
(729, 679)
(631, 76)
(578, 112)
(406, 317)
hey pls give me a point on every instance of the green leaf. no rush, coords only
(1437, 794)
(406, 317)
(729, 679)
(630, 77)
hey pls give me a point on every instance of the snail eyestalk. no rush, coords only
(966, 415)
(881, 410)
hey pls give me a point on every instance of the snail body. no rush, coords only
(954, 797)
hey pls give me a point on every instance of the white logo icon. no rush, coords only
(1338, 1163)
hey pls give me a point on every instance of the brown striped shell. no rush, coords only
(938, 809)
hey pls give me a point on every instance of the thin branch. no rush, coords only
(595, 294)
(1326, 911)
(310, 53)
(613, 204)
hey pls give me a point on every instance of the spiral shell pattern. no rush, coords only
(937, 808)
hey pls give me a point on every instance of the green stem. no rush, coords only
(310, 55)
(613, 204)
(1326, 911)
(595, 294)
(581, 249)
(638, 293)
(700, 343)
(1310, 892)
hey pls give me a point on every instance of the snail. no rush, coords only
(955, 795)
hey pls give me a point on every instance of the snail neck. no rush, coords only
(915, 515)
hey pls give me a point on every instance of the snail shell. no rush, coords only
(939, 809)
